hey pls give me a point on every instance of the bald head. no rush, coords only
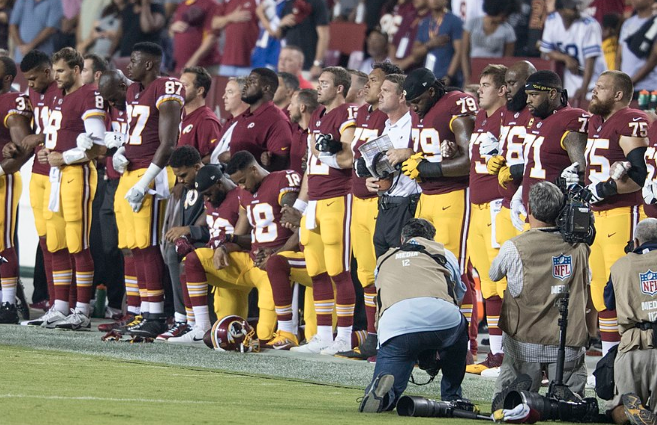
(515, 79)
(112, 86)
(522, 69)
(646, 231)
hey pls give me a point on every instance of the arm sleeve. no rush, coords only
(511, 34)
(16, 13)
(320, 13)
(423, 31)
(280, 138)
(469, 25)
(592, 43)
(508, 263)
(95, 125)
(547, 40)
(55, 15)
(456, 29)
(208, 136)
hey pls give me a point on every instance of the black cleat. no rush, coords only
(8, 314)
(149, 328)
(364, 351)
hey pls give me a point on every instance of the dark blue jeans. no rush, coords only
(398, 357)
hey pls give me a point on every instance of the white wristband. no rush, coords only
(152, 172)
(74, 156)
(300, 205)
(330, 160)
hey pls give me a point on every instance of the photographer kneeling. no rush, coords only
(540, 267)
(418, 291)
(632, 291)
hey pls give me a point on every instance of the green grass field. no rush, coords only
(59, 377)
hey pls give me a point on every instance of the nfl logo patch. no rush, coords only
(562, 266)
(648, 282)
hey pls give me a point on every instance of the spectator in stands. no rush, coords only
(642, 70)
(356, 93)
(439, 43)
(288, 84)
(377, 49)
(32, 25)
(141, 21)
(93, 67)
(5, 13)
(268, 46)
(69, 26)
(90, 12)
(400, 51)
(239, 23)
(305, 24)
(577, 42)
(291, 60)
(599, 8)
(104, 33)
(392, 14)
(610, 26)
(488, 36)
(194, 42)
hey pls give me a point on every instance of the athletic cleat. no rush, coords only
(378, 396)
(193, 336)
(364, 351)
(636, 412)
(136, 321)
(178, 329)
(522, 383)
(491, 372)
(41, 305)
(492, 360)
(48, 320)
(38, 321)
(22, 306)
(338, 345)
(76, 321)
(314, 346)
(113, 313)
(8, 314)
(283, 341)
(149, 328)
(371, 360)
(121, 322)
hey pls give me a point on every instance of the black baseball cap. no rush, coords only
(417, 82)
(207, 176)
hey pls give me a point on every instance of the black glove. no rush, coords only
(326, 143)
(361, 168)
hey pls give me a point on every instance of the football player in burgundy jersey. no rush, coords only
(200, 126)
(616, 133)
(263, 127)
(154, 107)
(325, 228)
(75, 136)
(15, 116)
(370, 122)
(486, 202)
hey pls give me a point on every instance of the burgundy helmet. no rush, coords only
(232, 333)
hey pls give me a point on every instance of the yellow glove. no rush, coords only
(495, 163)
(409, 167)
(504, 176)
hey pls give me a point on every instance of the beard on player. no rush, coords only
(252, 97)
(216, 197)
(518, 101)
(601, 107)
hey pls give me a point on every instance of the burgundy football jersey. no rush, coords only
(241, 37)
(144, 116)
(298, 148)
(265, 130)
(67, 115)
(369, 125)
(222, 220)
(198, 16)
(326, 182)
(512, 137)
(200, 129)
(651, 162)
(483, 186)
(263, 209)
(603, 149)
(116, 121)
(41, 103)
(436, 126)
(12, 103)
(544, 151)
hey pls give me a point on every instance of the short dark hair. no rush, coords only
(268, 77)
(622, 82)
(35, 59)
(291, 81)
(545, 201)
(10, 66)
(149, 48)
(98, 63)
(341, 77)
(185, 156)
(387, 67)
(497, 73)
(500, 7)
(418, 228)
(309, 98)
(71, 56)
(398, 80)
(202, 78)
(240, 161)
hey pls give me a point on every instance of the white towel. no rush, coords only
(495, 208)
(311, 210)
(161, 185)
(55, 185)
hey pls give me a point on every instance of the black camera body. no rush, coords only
(575, 220)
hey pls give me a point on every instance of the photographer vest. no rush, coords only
(551, 267)
(635, 287)
(415, 270)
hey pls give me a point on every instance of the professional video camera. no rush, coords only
(575, 220)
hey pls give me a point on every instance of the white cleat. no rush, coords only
(338, 346)
(48, 320)
(194, 337)
(492, 372)
(314, 346)
(76, 321)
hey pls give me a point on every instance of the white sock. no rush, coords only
(134, 310)
(606, 346)
(287, 326)
(83, 308)
(145, 307)
(9, 293)
(156, 308)
(202, 317)
(62, 307)
(344, 332)
(325, 333)
(495, 344)
(179, 317)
